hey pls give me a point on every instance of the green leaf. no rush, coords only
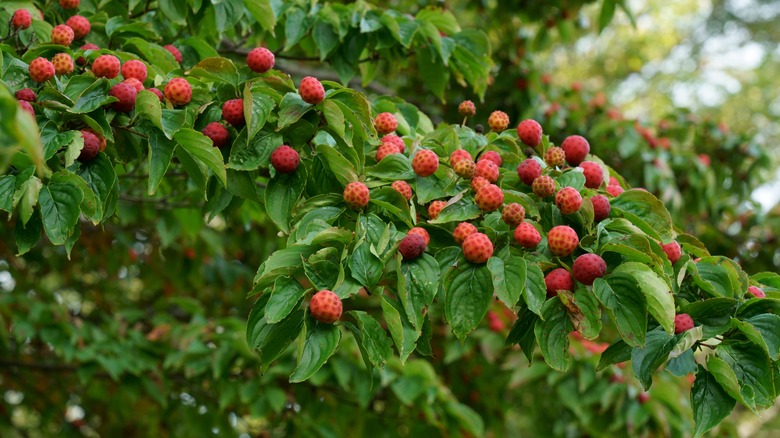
(402, 331)
(291, 109)
(617, 293)
(417, 286)
(711, 403)
(552, 335)
(317, 345)
(60, 210)
(393, 167)
(149, 107)
(7, 189)
(522, 332)
(255, 154)
(509, 276)
(763, 330)
(281, 195)
(341, 167)
(101, 178)
(366, 267)
(372, 338)
(271, 340)
(535, 288)
(751, 365)
(645, 211)
(257, 107)
(719, 276)
(588, 321)
(217, 70)
(27, 236)
(727, 379)
(467, 295)
(606, 14)
(286, 295)
(262, 11)
(200, 148)
(160, 156)
(647, 360)
(458, 212)
(26, 197)
(660, 302)
(92, 98)
(618, 352)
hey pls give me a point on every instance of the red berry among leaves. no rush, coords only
(403, 188)
(126, 94)
(69, 4)
(106, 66)
(385, 123)
(643, 398)
(562, 240)
(555, 157)
(527, 235)
(435, 208)
(80, 26)
(386, 149)
(492, 156)
(425, 162)
(477, 248)
(82, 60)
(412, 246)
(462, 231)
(27, 107)
(601, 207)
(594, 174)
(682, 323)
(325, 306)
(673, 251)
(498, 121)
(478, 182)
(576, 149)
(467, 108)
(756, 292)
(588, 267)
(63, 64)
(543, 186)
(421, 232)
(134, 69)
(173, 51)
(615, 190)
(513, 214)
(233, 112)
(568, 200)
(41, 70)
(488, 170)
(489, 198)
(62, 34)
(558, 279)
(285, 159)
(260, 60)
(458, 155)
(157, 93)
(530, 132)
(91, 147)
(178, 91)
(311, 90)
(21, 19)
(26, 94)
(529, 170)
(135, 83)
(219, 135)
(395, 140)
(465, 169)
(101, 139)
(356, 195)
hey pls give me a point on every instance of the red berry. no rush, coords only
(601, 207)
(530, 132)
(555, 157)
(568, 200)
(386, 149)
(26, 94)
(682, 323)
(527, 235)
(513, 214)
(458, 155)
(756, 292)
(562, 240)
(82, 60)
(62, 34)
(396, 140)
(285, 159)
(467, 108)
(613, 181)
(477, 248)
(492, 156)
(173, 51)
(356, 195)
(421, 232)
(385, 123)
(558, 279)
(425, 162)
(219, 135)
(643, 398)
(106, 66)
(543, 186)
(465, 169)
(489, 198)
(435, 208)
(594, 174)
(478, 182)
(498, 121)
(488, 170)
(80, 26)
(134, 69)
(325, 306)
(126, 94)
(673, 251)
(233, 112)
(157, 93)
(91, 147)
(576, 148)
(178, 91)
(260, 60)
(41, 70)
(135, 83)
(403, 188)
(63, 64)
(101, 139)
(311, 90)
(412, 246)
(462, 231)
(529, 170)
(588, 267)
(615, 190)
(69, 4)
(21, 19)
(27, 107)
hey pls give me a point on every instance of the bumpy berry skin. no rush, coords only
(682, 323)
(82, 60)
(673, 251)
(425, 162)
(135, 83)
(465, 169)
(529, 170)
(325, 306)
(134, 69)
(756, 292)
(27, 107)
(421, 232)
(555, 157)
(106, 66)
(615, 190)
(157, 93)
(588, 267)
(458, 155)
(178, 91)
(41, 70)
(562, 240)
(489, 198)
(467, 108)
(412, 246)
(62, 34)
(173, 51)
(21, 19)
(233, 112)
(63, 64)
(385, 123)
(478, 182)
(530, 132)
(488, 170)
(493, 156)
(260, 60)
(543, 186)
(386, 149)
(594, 174)
(558, 279)
(69, 4)
(527, 236)
(403, 188)
(80, 26)
(218, 134)
(576, 148)
(477, 248)
(568, 200)
(285, 159)
(498, 121)
(311, 90)
(356, 195)
(26, 94)
(435, 208)
(601, 207)
(513, 214)
(91, 147)
(462, 231)
(101, 139)
(126, 94)
(395, 140)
